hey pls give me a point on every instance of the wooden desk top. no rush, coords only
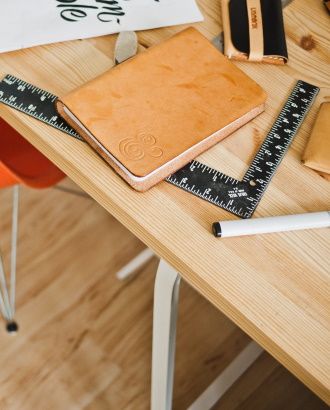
(275, 287)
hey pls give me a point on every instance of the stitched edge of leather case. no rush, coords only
(231, 51)
(316, 154)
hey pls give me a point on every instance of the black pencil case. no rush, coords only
(254, 31)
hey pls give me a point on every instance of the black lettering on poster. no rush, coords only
(105, 10)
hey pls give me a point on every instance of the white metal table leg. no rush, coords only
(166, 296)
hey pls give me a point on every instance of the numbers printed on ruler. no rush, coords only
(238, 197)
(33, 101)
(242, 197)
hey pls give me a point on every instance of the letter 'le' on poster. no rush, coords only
(51, 21)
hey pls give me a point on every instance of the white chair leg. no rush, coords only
(4, 297)
(13, 256)
(7, 299)
(131, 267)
(166, 297)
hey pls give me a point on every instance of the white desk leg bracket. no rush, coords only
(209, 398)
(135, 264)
(166, 296)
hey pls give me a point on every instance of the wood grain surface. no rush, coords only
(85, 338)
(275, 287)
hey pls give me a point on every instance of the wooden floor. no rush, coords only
(85, 338)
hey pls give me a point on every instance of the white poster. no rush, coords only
(27, 23)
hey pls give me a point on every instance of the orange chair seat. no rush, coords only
(21, 163)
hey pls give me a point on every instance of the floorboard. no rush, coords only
(85, 338)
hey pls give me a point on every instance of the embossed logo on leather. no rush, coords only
(254, 17)
(143, 145)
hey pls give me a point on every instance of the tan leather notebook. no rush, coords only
(152, 114)
(317, 151)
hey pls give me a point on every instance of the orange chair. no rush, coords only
(20, 163)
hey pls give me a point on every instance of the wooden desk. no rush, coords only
(275, 287)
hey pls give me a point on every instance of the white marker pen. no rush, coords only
(271, 224)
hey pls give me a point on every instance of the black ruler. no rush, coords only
(33, 101)
(242, 197)
(238, 197)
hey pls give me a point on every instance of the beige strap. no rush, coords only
(255, 30)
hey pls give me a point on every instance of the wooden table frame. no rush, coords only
(274, 287)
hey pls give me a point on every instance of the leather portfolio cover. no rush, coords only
(152, 114)
(254, 31)
(317, 151)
